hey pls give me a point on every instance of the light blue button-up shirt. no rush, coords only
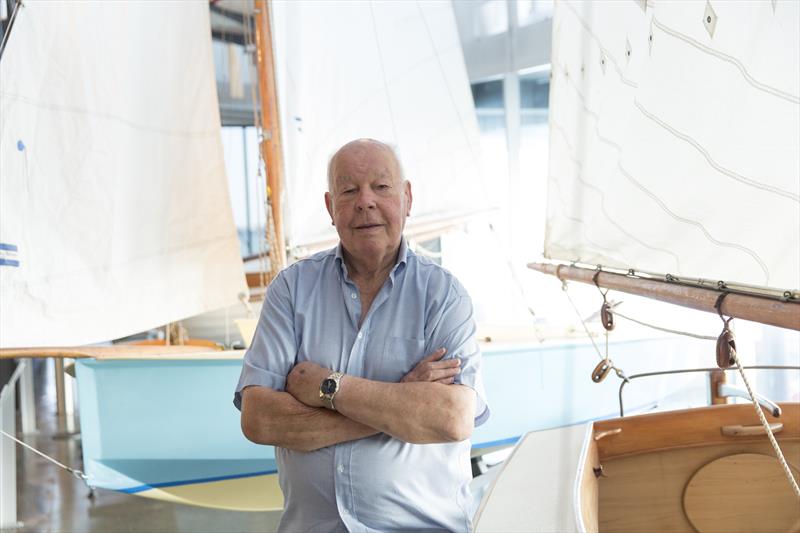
(311, 313)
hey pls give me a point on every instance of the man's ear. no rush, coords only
(409, 196)
(329, 206)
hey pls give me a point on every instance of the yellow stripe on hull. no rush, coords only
(255, 493)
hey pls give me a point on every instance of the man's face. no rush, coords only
(369, 201)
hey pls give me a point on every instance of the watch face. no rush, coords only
(328, 386)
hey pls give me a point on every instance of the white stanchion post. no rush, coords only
(69, 399)
(8, 455)
(27, 399)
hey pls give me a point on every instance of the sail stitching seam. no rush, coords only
(658, 200)
(111, 117)
(588, 185)
(437, 55)
(604, 51)
(383, 72)
(730, 59)
(600, 249)
(734, 175)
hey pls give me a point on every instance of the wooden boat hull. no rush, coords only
(671, 471)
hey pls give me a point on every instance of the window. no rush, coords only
(247, 190)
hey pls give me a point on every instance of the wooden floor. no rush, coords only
(52, 500)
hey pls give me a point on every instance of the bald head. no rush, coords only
(360, 147)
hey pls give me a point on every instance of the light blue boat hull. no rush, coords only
(151, 424)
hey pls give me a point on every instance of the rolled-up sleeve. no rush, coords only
(274, 347)
(453, 327)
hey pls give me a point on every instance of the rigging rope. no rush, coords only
(768, 429)
(266, 238)
(606, 364)
(518, 284)
(11, 21)
(75, 472)
(667, 330)
(565, 288)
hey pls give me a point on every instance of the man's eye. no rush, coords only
(348, 191)
(382, 187)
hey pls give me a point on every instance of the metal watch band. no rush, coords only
(327, 398)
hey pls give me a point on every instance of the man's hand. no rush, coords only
(304, 380)
(433, 369)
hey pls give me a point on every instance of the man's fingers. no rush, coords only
(445, 373)
(448, 363)
(435, 356)
(446, 381)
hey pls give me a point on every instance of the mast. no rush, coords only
(271, 140)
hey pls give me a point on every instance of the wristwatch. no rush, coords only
(328, 389)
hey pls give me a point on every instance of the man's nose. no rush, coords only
(365, 200)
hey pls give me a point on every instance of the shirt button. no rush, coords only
(340, 468)
(360, 334)
(353, 295)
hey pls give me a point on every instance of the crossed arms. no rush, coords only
(425, 407)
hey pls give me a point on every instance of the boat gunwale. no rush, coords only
(684, 423)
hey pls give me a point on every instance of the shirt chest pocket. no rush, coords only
(400, 355)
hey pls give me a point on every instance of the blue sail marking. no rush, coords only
(8, 255)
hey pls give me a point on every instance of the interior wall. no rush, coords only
(500, 36)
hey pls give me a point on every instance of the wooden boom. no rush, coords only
(784, 314)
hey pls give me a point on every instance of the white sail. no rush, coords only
(675, 139)
(114, 208)
(393, 71)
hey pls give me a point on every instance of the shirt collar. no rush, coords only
(402, 257)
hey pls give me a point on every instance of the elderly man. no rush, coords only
(364, 372)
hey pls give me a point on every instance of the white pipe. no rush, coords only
(726, 389)
(8, 453)
(27, 399)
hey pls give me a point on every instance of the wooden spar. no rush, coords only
(117, 351)
(271, 143)
(258, 279)
(747, 307)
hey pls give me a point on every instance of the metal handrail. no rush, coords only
(691, 370)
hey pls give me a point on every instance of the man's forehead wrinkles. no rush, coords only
(372, 174)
